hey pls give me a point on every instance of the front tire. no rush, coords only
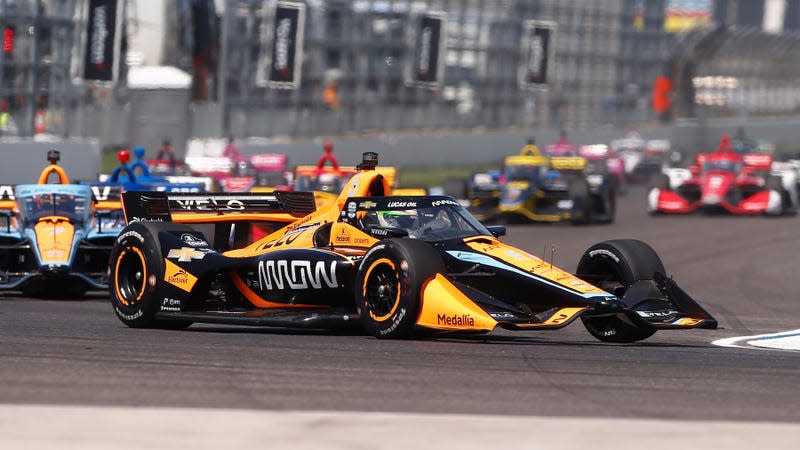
(775, 183)
(136, 267)
(615, 265)
(389, 285)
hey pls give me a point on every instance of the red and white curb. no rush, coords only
(784, 340)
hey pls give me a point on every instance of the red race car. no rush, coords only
(725, 181)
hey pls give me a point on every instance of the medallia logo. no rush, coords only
(464, 320)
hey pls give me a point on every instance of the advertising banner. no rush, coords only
(684, 14)
(103, 41)
(286, 53)
(427, 68)
(536, 48)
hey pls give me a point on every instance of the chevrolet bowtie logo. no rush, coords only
(186, 254)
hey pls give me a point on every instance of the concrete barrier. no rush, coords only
(477, 147)
(21, 161)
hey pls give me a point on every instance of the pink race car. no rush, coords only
(614, 165)
(262, 170)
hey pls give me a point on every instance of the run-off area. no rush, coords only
(786, 340)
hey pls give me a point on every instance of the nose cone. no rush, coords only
(54, 239)
(715, 187)
(514, 193)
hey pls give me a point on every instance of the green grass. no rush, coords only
(108, 160)
(435, 176)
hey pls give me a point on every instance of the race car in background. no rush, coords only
(263, 170)
(561, 149)
(614, 165)
(126, 178)
(326, 179)
(397, 267)
(537, 188)
(480, 193)
(726, 181)
(55, 239)
(642, 158)
(559, 188)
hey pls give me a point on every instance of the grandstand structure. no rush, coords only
(353, 64)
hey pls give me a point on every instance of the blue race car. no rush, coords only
(125, 178)
(55, 239)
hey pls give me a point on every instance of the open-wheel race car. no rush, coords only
(398, 266)
(554, 189)
(56, 237)
(726, 181)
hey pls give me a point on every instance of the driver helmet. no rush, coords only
(241, 169)
(404, 219)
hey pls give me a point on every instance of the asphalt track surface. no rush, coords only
(744, 270)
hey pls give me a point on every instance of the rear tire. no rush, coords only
(615, 265)
(136, 267)
(581, 201)
(609, 200)
(389, 285)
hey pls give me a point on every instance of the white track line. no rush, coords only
(784, 340)
(94, 428)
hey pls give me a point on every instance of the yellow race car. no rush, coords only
(539, 188)
(397, 266)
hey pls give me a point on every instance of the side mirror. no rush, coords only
(497, 230)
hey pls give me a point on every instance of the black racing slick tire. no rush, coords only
(136, 266)
(614, 266)
(389, 285)
(608, 203)
(581, 198)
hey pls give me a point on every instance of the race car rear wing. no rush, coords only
(148, 206)
(568, 163)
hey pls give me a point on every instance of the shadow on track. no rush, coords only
(87, 297)
(443, 338)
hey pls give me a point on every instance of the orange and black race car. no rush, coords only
(398, 266)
